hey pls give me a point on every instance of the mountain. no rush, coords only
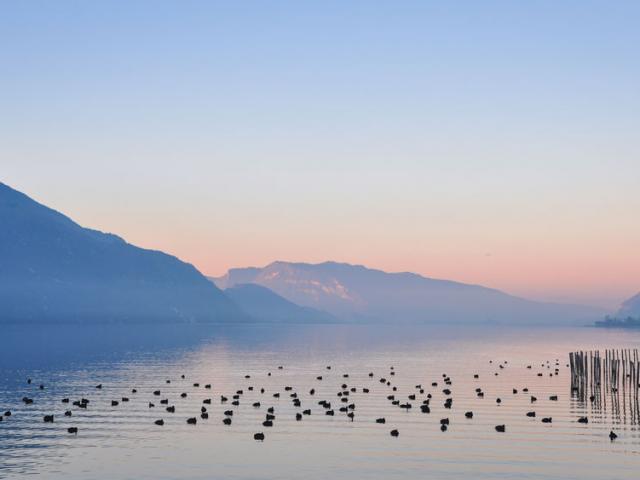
(630, 308)
(266, 306)
(54, 270)
(357, 293)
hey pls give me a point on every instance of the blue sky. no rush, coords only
(488, 142)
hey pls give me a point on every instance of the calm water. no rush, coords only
(124, 442)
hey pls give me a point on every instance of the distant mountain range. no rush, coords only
(264, 305)
(630, 308)
(53, 270)
(628, 316)
(357, 293)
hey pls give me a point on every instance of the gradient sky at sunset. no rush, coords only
(486, 142)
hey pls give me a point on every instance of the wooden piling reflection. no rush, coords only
(608, 382)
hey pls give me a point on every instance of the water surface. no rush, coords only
(124, 442)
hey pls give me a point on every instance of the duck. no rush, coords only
(394, 433)
(500, 428)
(258, 436)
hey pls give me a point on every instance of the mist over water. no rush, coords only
(123, 441)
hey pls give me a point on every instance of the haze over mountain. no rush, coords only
(265, 305)
(630, 307)
(354, 292)
(54, 270)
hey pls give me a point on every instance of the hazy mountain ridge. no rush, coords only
(264, 305)
(630, 307)
(54, 270)
(354, 292)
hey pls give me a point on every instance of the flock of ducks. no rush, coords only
(345, 404)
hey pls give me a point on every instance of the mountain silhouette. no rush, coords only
(54, 270)
(357, 293)
(630, 307)
(265, 305)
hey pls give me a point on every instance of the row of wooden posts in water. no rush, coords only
(609, 380)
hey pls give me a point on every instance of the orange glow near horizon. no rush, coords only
(554, 270)
(569, 245)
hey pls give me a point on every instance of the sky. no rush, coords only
(486, 142)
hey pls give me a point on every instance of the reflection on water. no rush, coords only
(122, 441)
(609, 380)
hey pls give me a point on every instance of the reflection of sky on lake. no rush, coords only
(123, 442)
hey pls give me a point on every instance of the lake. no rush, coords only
(122, 441)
